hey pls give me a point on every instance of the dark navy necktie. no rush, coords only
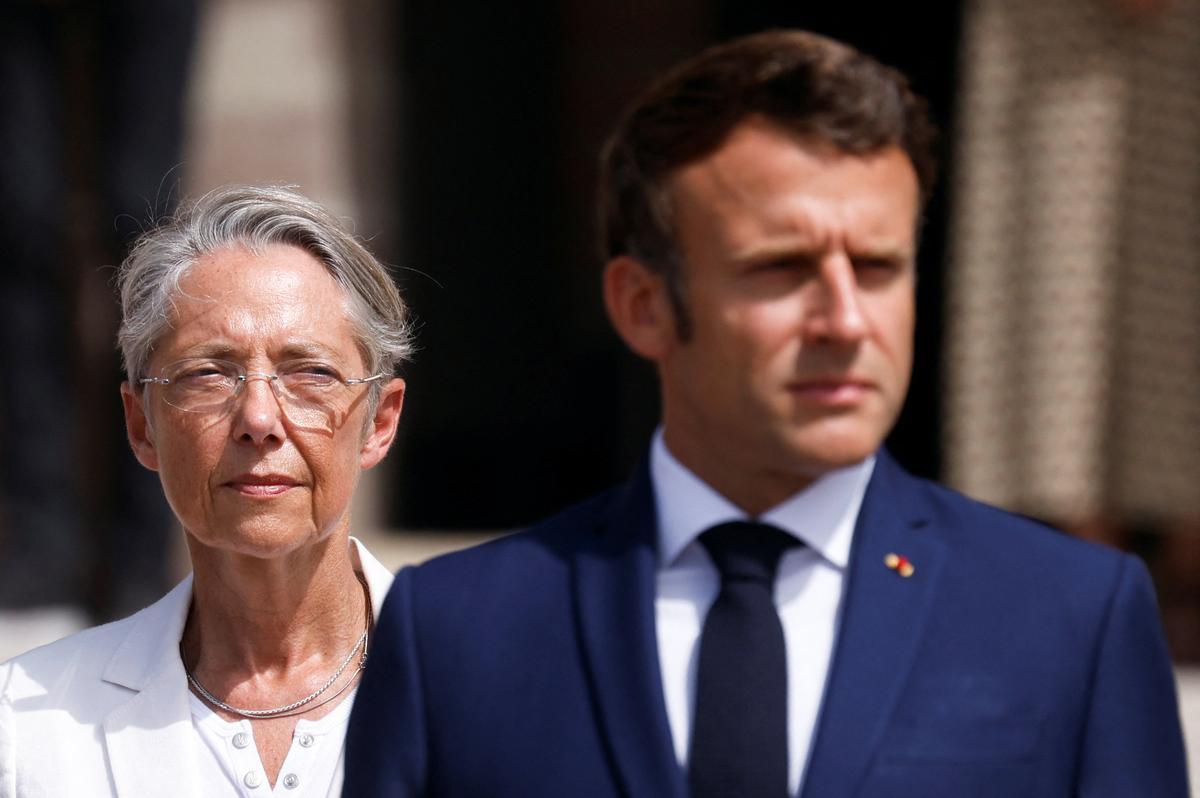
(739, 742)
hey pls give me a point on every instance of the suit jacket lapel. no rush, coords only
(614, 601)
(882, 619)
(151, 747)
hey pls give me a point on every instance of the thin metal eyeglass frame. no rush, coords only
(281, 393)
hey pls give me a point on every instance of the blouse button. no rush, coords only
(306, 740)
(291, 781)
(241, 740)
(252, 780)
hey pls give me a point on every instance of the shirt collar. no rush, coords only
(822, 515)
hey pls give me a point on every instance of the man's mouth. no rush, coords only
(831, 391)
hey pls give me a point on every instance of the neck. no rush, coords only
(745, 481)
(254, 615)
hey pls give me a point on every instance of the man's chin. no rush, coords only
(818, 454)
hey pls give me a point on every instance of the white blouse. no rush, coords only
(229, 763)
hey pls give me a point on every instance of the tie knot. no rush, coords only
(747, 551)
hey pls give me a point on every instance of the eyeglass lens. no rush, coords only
(311, 394)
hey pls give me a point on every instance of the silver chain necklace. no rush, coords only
(291, 708)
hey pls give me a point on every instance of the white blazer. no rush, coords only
(105, 712)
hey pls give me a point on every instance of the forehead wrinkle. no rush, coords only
(283, 328)
(804, 225)
(749, 207)
(741, 202)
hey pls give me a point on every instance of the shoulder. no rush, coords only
(995, 547)
(51, 669)
(545, 546)
(522, 574)
(71, 672)
(53, 704)
(975, 523)
(56, 702)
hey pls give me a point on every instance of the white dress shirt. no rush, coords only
(808, 587)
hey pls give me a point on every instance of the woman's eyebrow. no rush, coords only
(291, 350)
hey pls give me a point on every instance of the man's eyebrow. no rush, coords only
(800, 249)
(883, 251)
(777, 250)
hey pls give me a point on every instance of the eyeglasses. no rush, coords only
(312, 393)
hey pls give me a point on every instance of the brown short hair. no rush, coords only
(819, 88)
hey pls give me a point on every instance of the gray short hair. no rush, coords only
(256, 217)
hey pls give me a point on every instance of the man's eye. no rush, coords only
(878, 271)
(875, 264)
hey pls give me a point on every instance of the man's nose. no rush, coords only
(258, 412)
(837, 312)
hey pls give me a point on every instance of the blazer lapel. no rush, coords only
(614, 601)
(151, 746)
(882, 619)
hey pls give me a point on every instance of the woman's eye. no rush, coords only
(310, 374)
(201, 372)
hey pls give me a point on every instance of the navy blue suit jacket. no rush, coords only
(1015, 661)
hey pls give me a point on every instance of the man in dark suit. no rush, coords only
(771, 606)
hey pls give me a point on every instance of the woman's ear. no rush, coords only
(381, 430)
(138, 427)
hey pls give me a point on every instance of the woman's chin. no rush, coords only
(260, 537)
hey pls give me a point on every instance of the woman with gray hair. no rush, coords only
(260, 340)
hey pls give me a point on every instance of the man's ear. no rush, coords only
(381, 430)
(137, 427)
(639, 308)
